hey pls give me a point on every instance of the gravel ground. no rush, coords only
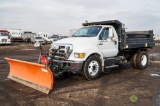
(114, 89)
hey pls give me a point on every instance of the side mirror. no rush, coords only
(110, 33)
(113, 39)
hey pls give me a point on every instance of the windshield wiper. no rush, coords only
(74, 36)
(84, 36)
(80, 36)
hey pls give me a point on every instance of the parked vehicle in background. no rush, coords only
(53, 38)
(34, 34)
(62, 37)
(37, 39)
(5, 37)
(44, 36)
(16, 35)
(156, 38)
(27, 35)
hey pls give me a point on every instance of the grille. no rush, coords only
(59, 54)
(62, 47)
(4, 40)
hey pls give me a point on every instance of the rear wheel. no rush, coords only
(133, 60)
(92, 68)
(142, 60)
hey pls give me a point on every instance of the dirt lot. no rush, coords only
(114, 89)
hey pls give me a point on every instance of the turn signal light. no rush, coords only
(79, 55)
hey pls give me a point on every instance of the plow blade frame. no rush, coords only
(34, 75)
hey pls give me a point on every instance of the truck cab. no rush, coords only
(99, 45)
(16, 35)
(27, 35)
(5, 37)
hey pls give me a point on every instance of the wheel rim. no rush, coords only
(144, 60)
(93, 68)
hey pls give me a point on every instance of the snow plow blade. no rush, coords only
(34, 75)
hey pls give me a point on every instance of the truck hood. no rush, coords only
(76, 41)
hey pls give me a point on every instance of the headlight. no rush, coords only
(79, 55)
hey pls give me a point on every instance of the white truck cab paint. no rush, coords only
(102, 43)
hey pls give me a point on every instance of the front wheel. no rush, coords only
(142, 60)
(92, 68)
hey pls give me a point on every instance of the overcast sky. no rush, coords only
(59, 16)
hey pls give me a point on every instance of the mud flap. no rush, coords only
(34, 75)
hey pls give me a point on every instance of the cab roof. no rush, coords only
(110, 22)
(115, 23)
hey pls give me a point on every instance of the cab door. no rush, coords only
(108, 42)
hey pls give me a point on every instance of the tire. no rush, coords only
(133, 61)
(92, 68)
(142, 60)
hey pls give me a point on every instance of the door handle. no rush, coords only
(115, 42)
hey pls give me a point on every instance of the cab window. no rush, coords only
(104, 34)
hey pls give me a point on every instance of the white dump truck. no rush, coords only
(100, 45)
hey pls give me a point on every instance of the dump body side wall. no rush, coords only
(137, 39)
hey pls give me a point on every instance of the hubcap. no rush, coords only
(93, 68)
(144, 60)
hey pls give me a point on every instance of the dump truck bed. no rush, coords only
(138, 39)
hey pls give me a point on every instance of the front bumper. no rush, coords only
(67, 65)
(5, 42)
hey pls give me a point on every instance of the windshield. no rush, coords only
(52, 37)
(87, 31)
(3, 34)
(38, 37)
(14, 32)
